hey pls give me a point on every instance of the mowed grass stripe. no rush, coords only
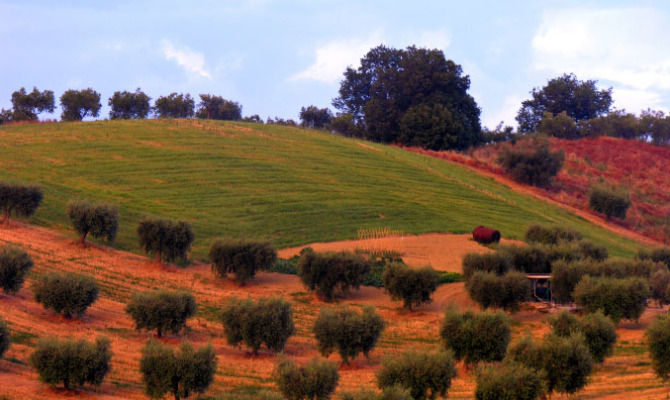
(289, 185)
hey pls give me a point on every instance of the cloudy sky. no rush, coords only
(276, 56)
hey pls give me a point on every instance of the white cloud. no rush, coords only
(332, 58)
(505, 112)
(191, 61)
(627, 48)
(335, 56)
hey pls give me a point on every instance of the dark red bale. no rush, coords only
(485, 235)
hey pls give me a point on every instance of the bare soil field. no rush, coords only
(627, 374)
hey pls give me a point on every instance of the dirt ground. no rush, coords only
(627, 374)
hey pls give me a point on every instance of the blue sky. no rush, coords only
(275, 56)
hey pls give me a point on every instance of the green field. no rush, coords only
(289, 185)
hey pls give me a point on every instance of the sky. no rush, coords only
(274, 57)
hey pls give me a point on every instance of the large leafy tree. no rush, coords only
(413, 96)
(174, 106)
(129, 105)
(78, 104)
(314, 117)
(216, 107)
(26, 106)
(581, 100)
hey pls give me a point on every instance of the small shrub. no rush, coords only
(598, 331)
(497, 263)
(161, 310)
(550, 234)
(560, 125)
(600, 335)
(241, 257)
(660, 285)
(661, 254)
(67, 293)
(565, 324)
(330, 273)
(267, 321)
(424, 375)
(526, 352)
(413, 286)
(316, 380)
(475, 337)
(533, 163)
(99, 220)
(658, 337)
(566, 363)
(168, 240)
(348, 332)
(609, 202)
(617, 298)
(507, 291)
(529, 259)
(72, 362)
(20, 199)
(5, 338)
(180, 373)
(575, 251)
(510, 381)
(14, 265)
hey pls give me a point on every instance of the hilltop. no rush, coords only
(289, 185)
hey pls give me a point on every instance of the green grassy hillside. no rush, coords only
(289, 185)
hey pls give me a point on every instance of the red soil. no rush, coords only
(637, 166)
(121, 273)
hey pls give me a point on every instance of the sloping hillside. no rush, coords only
(639, 167)
(289, 185)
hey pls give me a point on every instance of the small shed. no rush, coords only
(540, 285)
(485, 235)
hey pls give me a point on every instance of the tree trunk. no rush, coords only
(66, 383)
(5, 220)
(82, 240)
(158, 257)
(160, 333)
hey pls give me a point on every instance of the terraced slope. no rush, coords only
(290, 185)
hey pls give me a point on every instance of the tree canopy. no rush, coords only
(216, 107)
(129, 105)
(26, 106)
(414, 96)
(174, 106)
(581, 100)
(314, 117)
(78, 104)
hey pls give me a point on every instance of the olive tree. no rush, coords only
(475, 337)
(5, 338)
(505, 291)
(347, 331)
(597, 329)
(67, 293)
(316, 380)
(14, 265)
(241, 257)
(129, 105)
(424, 375)
(509, 381)
(617, 298)
(20, 199)
(78, 104)
(413, 286)
(390, 393)
(98, 220)
(72, 362)
(174, 106)
(267, 321)
(180, 372)
(566, 362)
(612, 203)
(161, 310)
(658, 337)
(167, 239)
(330, 273)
